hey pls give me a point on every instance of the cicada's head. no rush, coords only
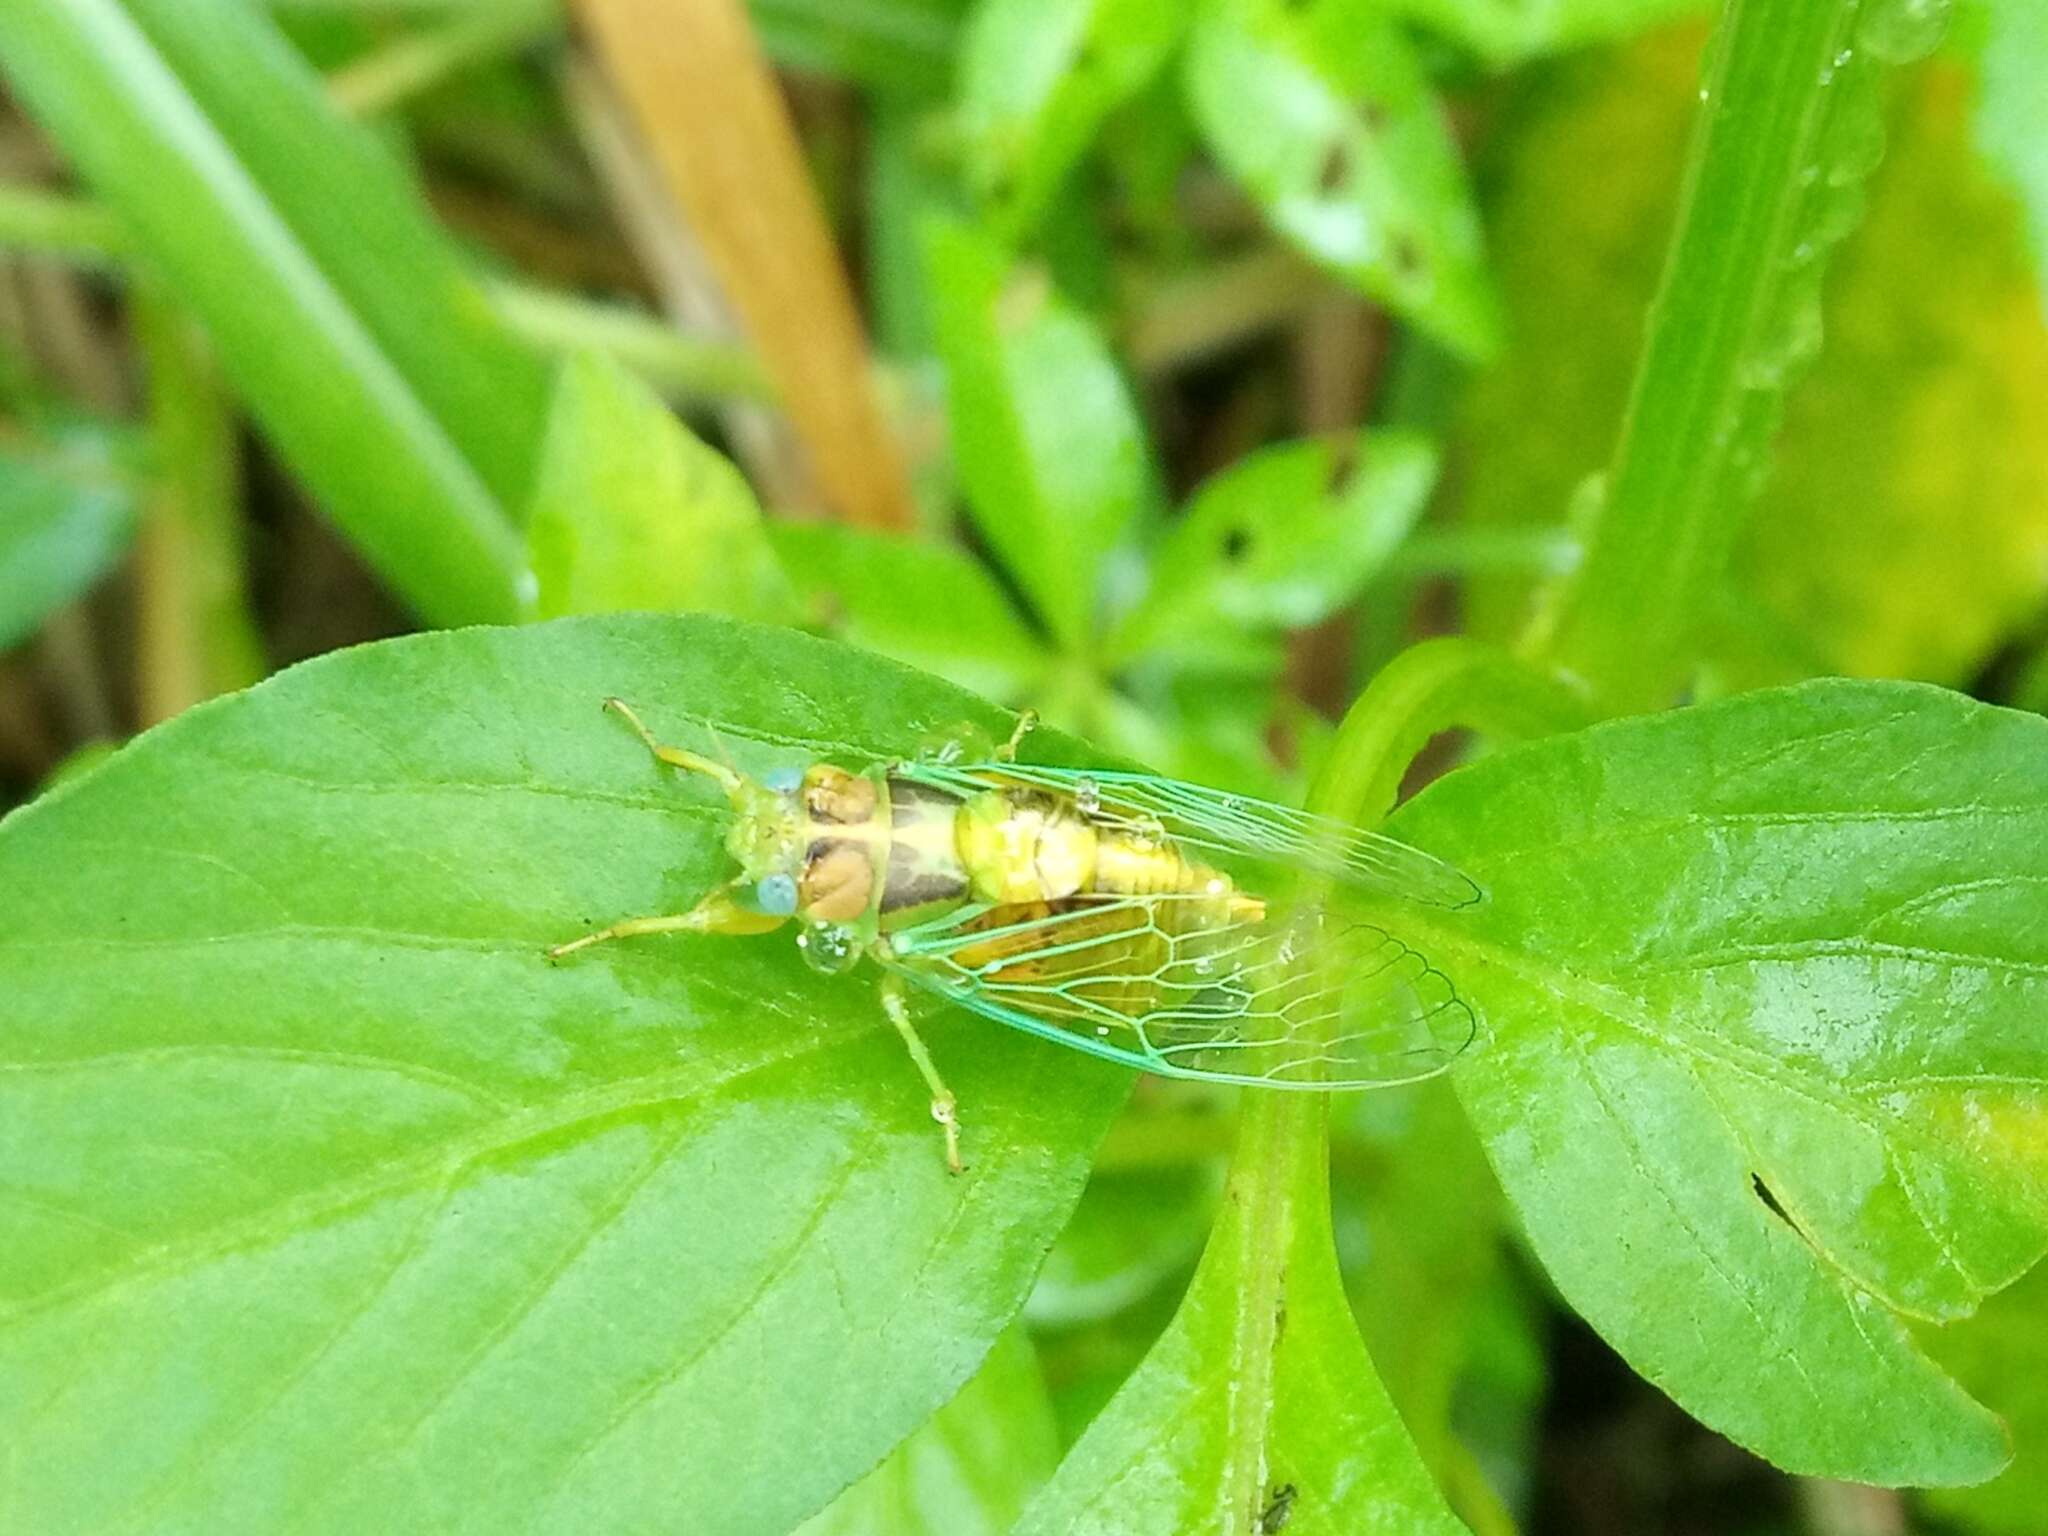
(767, 840)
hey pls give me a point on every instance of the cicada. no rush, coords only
(1174, 928)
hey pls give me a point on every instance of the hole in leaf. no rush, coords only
(1770, 1201)
(1336, 168)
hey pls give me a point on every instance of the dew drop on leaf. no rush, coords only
(829, 948)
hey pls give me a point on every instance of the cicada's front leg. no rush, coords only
(945, 1108)
(716, 913)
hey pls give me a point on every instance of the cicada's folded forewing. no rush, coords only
(1214, 822)
(1309, 1000)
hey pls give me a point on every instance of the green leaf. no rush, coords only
(1050, 448)
(632, 511)
(2001, 1354)
(1761, 980)
(67, 512)
(353, 1212)
(1281, 540)
(915, 600)
(969, 1471)
(1328, 122)
(1258, 1406)
(1037, 80)
(1135, 1229)
(339, 310)
(1509, 32)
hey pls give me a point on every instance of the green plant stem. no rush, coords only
(1787, 131)
(195, 634)
(684, 367)
(1281, 1164)
(393, 75)
(1430, 688)
(55, 224)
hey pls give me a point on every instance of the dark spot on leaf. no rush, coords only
(1279, 1318)
(1237, 543)
(1279, 1506)
(1344, 462)
(1407, 255)
(1336, 169)
(1086, 55)
(1375, 117)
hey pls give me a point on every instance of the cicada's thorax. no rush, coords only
(877, 848)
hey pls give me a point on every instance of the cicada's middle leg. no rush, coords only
(945, 1108)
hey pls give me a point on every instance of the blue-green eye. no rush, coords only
(784, 781)
(776, 896)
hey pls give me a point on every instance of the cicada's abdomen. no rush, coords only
(1023, 847)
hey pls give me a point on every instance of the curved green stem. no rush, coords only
(1437, 686)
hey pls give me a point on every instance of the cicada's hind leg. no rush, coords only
(716, 913)
(945, 1108)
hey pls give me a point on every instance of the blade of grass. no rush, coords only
(339, 311)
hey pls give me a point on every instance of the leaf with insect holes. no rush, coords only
(1037, 79)
(1280, 540)
(331, 1205)
(1763, 980)
(1328, 122)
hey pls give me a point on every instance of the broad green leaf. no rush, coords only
(352, 1212)
(1037, 79)
(632, 511)
(2011, 38)
(1905, 531)
(969, 1470)
(1509, 32)
(1761, 981)
(915, 600)
(340, 311)
(1260, 1372)
(1047, 440)
(1328, 122)
(67, 511)
(2001, 1354)
(1281, 540)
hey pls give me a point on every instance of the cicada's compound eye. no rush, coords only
(784, 781)
(775, 895)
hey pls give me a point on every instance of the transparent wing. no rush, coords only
(1218, 822)
(1311, 1000)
